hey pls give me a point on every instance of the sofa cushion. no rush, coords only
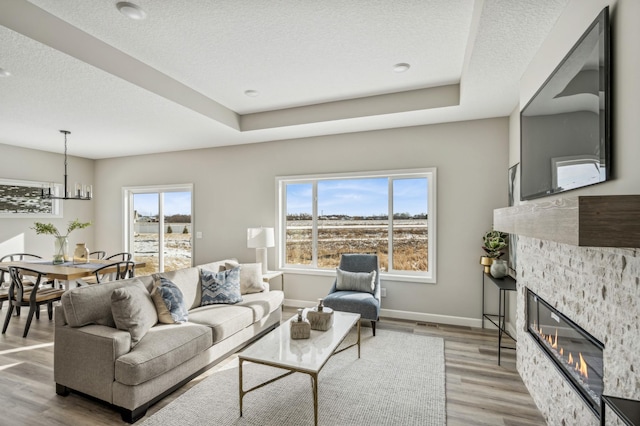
(92, 304)
(355, 281)
(360, 302)
(169, 302)
(188, 281)
(162, 349)
(250, 276)
(220, 287)
(224, 320)
(262, 304)
(133, 311)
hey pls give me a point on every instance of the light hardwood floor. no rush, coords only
(479, 392)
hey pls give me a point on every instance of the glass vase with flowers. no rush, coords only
(61, 242)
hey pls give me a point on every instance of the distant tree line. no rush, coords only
(306, 216)
(178, 218)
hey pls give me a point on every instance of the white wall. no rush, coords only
(27, 164)
(235, 189)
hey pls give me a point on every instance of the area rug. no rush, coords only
(399, 380)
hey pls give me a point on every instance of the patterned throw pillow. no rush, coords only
(169, 302)
(221, 287)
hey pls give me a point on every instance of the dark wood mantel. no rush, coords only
(592, 221)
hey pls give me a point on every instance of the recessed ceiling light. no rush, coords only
(251, 93)
(401, 67)
(131, 10)
(4, 73)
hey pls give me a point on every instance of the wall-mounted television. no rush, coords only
(565, 129)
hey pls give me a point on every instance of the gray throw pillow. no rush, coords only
(133, 311)
(355, 281)
(221, 287)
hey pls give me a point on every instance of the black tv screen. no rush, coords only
(565, 138)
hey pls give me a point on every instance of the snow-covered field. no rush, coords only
(177, 252)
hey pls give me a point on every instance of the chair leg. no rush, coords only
(50, 310)
(17, 311)
(32, 310)
(37, 311)
(7, 317)
(373, 326)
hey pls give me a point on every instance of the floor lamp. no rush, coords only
(260, 239)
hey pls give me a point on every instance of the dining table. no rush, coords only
(65, 273)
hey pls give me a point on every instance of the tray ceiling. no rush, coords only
(177, 79)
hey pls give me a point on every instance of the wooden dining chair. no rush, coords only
(98, 254)
(115, 271)
(4, 285)
(33, 297)
(15, 257)
(124, 256)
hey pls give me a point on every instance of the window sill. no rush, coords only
(383, 276)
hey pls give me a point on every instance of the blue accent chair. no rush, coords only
(364, 303)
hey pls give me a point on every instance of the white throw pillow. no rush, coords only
(250, 276)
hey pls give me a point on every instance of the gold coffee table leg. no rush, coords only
(240, 384)
(358, 339)
(314, 383)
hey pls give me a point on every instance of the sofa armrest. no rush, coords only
(58, 316)
(84, 358)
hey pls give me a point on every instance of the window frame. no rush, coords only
(127, 203)
(396, 275)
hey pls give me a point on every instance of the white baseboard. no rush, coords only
(404, 315)
(435, 318)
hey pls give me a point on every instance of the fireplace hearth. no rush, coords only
(575, 352)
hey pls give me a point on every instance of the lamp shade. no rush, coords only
(260, 237)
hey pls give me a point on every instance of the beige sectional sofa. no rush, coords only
(93, 357)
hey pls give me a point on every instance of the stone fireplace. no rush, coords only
(599, 290)
(576, 354)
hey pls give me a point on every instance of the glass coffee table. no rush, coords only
(277, 349)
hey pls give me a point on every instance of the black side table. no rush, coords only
(628, 410)
(499, 320)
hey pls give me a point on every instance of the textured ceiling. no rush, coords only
(176, 80)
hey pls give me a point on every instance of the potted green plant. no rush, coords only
(61, 241)
(494, 242)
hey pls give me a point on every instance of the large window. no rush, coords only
(390, 213)
(160, 225)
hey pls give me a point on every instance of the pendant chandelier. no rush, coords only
(81, 192)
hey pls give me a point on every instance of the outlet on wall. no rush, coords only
(383, 292)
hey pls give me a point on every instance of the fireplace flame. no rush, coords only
(579, 365)
(582, 369)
